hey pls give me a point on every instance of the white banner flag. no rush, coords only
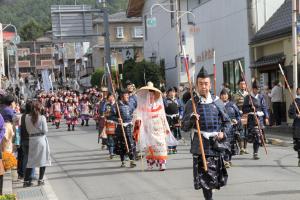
(46, 80)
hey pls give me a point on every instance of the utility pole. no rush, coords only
(106, 39)
(294, 31)
(178, 34)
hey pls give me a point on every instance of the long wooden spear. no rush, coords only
(118, 109)
(194, 110)
(254, 111)
(290, 91)
(215, 74)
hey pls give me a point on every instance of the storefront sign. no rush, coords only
(205, 55)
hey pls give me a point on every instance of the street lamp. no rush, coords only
(178, 34)
(15, 41)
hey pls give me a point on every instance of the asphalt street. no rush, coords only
(82, 171)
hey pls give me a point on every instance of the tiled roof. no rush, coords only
(279, 25)
(269, 60)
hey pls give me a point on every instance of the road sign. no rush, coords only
(151, 22)
(16, 39)
(127, 54)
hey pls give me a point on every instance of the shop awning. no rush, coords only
(273, 59)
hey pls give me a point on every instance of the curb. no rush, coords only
(7, 183)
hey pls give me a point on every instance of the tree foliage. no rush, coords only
(141, 72)
(31, 30)
(98, 79)
(19, 12)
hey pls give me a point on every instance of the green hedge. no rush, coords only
(8, 197)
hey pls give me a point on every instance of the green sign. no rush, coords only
(151, 22)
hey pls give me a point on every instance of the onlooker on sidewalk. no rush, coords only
(23, 150)
(39, 151)
(264, 93)
(2, 133)
(276, 99)
(8, 114)
(293, 113)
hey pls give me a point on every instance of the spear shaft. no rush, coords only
(195, 111)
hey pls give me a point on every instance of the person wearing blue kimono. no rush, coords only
(125, 120)
(174, 112)
(232, 137)
(215, 125)
(293, 114)
(260, 110)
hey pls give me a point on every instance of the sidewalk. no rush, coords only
(32, 193)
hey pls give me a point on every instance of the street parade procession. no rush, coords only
(144, 125)
(149, 100)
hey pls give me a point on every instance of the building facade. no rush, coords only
(126, 40)
(32, 57)
(221, 26)
(271, 46)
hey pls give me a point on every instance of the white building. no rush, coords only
(225, 26)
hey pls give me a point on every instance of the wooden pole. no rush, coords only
(215, 75)
(255, 116)
(290, 91)
(194, 110)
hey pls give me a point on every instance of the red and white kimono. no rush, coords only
(154, 132)
(71, 114)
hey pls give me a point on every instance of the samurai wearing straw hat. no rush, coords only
(215, 125)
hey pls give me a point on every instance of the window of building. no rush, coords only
(232, 73)
(138, 32)
(120, 32)
(172, 8)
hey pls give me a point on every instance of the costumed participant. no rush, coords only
(254, 134)
(57, 109)
(110, 124)
(238, 98)
(215, 125)
(71, 114)
(233, 135)
(155, 134)
(96, 107)
(293, 114)
(132, 97)
(125, 120)
(174, 113)
(101, 127)
(85, 110)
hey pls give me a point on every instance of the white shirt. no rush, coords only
(276, 94)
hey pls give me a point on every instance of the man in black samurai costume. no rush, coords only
(215, 124)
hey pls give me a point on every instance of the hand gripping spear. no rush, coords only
(288, 85)
(255, 116)
(194, 110)
(118, 109)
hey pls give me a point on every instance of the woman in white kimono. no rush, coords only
(39, 152)
(154, 133)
